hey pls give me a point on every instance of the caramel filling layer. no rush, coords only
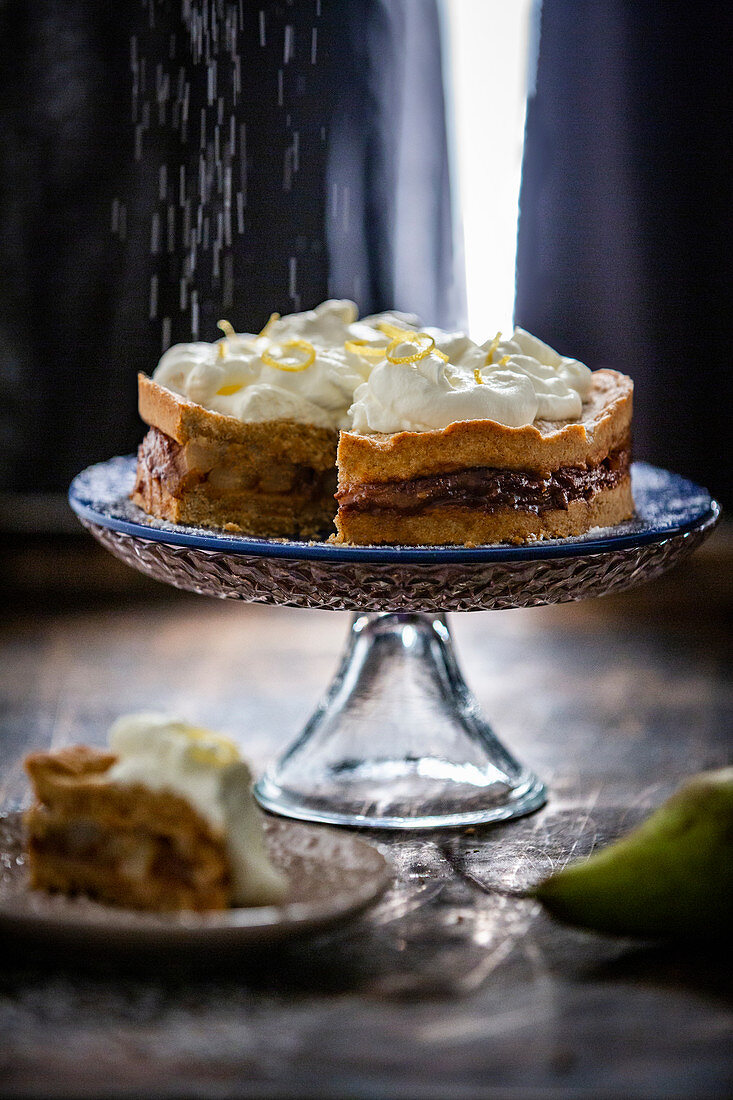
(488, 489)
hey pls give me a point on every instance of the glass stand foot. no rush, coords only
(398, 742)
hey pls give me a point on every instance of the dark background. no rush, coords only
(625, 248)
(109, 262)
(624, 244)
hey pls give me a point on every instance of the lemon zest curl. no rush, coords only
(270, 322)
(361, 347)
(492, 348)
(211, 748)
(291, 367)
(393, 331)
(416, 339)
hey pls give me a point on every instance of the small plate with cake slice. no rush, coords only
(157, 841)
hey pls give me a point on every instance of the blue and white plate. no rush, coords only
(672, 517)
(666, 505)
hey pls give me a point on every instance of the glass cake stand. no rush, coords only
(398, 741)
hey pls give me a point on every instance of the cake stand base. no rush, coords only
(398, 741)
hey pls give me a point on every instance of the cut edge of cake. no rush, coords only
(430, 463)
(271, 479)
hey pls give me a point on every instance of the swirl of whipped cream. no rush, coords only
(231, 377)
(432, 394)
(560, 384)
(523, 380)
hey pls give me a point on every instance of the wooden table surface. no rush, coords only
(451, 986)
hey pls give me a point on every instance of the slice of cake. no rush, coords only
(243, 431)
(455, 443)
(164, 820)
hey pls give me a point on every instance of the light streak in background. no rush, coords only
(488, 53)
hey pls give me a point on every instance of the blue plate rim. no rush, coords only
(391, 555)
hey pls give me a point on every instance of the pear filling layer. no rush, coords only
(180, 467)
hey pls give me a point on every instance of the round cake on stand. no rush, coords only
(398, 741)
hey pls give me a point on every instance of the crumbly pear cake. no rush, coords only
(478, 481)
(456, 443)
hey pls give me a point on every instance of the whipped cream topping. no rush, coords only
(257, 378)
(163, 753)
(326, 367)
(432, 394)
(513, 382)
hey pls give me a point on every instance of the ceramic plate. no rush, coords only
(333, 876)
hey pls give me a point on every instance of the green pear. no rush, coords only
(671, 877)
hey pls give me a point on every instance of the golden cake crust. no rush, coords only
(541, 447)
(184, 421)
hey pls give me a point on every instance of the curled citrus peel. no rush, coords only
(492, 348)
(393, 331)
(441, 355)
(290, 363)
(270, 322)
(361, 347)
(420, 340)
(230, 333)
(477, 370)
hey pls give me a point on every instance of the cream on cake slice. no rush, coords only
(164, 819)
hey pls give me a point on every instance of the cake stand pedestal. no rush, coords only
(398, 741)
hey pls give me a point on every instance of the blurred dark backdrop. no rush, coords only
(163, 164)
(167, 163)
(625, 249)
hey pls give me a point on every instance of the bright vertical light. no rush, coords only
(488, 47)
